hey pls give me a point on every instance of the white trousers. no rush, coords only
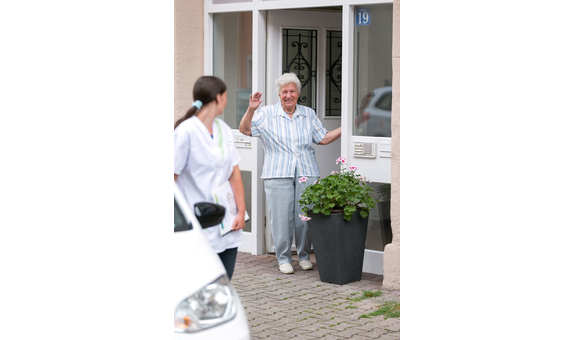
(282, 195)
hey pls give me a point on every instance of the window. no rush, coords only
(300, 57)
(247, 181)
(180, 223)
(379, 224)
(373, 34)
(333, 74)
(233, 61)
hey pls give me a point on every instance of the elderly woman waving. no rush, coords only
(287, 131)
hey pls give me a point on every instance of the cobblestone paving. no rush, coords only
(300, 306)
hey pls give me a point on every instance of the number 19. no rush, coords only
(362, 17)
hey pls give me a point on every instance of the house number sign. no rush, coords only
(362, 16)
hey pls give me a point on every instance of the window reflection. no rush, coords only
(379, 225)
(374, 114)
(233, 61)
(247, 181)
(373, 72)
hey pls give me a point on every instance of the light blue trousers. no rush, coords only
(282, 195)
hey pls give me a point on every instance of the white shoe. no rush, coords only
(305, 265)
(286, 268)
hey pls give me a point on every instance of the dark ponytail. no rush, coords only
(206, 90)
(192, 111)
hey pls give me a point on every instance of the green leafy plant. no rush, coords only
(344, 191)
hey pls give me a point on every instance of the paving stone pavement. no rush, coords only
(300, 306)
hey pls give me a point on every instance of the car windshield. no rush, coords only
(180, 223)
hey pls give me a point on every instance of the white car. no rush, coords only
(375, 113)
(206, 304)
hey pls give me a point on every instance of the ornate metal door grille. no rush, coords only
(333, 74)
(300, 57)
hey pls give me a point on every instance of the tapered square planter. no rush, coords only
(338, 245)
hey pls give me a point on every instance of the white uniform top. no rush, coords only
(200, 167)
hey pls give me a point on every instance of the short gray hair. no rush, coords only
(288, 78)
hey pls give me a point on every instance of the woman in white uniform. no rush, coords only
(205, 157)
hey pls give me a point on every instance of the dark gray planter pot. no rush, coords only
(338, 245)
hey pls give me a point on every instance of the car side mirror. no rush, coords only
(209, 214)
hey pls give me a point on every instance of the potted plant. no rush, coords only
(336, 209)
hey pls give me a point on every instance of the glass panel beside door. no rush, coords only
(379, 225)
(247, 182)
(373, 70)
(233, 61)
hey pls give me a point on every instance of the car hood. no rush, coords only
(195, 263)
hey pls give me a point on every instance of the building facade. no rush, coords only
(346, 54)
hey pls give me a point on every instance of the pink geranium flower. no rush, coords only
(302, 179)
(352, 168)
(304, 218)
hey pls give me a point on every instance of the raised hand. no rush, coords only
(255, 100)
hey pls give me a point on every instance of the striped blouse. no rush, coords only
(287, 142)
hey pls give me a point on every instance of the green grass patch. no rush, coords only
(366, 294)
(389, 309)
(369, 293)
(351, 307)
